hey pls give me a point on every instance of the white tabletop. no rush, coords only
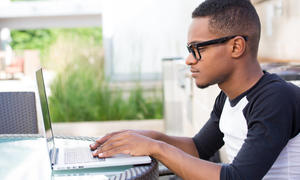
(27, 159)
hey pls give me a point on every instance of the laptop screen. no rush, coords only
(45, 110)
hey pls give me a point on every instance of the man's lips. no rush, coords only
(194, 72)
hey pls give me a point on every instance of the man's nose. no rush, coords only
(190, 60)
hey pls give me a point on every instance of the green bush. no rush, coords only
(44, 39)
(81, 93)
(32, 39)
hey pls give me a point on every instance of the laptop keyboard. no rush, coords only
(80, 155)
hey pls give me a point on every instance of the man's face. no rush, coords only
(215, 65)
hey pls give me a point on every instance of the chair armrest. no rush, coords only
(164, 171)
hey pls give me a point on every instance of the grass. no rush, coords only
(81, 93)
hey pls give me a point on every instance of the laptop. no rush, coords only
(81, 157)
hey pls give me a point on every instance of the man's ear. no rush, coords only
(238, 47)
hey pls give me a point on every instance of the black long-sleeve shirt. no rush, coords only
(259, 129)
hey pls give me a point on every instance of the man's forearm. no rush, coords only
(186, 144)
(183, 164)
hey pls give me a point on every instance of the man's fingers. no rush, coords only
(100, 141)
(111, 145)
(107, 146)
(115, 136)
(94, 146)
(96, 152)
(112, 152)
(103, 139)
(108, 136)
(115, 141)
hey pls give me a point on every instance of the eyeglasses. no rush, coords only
(194, 48)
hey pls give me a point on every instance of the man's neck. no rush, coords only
(241, 80)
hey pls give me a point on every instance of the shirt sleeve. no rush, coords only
(270, 120)
(210, 139)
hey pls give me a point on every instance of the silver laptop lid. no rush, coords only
(46, 115)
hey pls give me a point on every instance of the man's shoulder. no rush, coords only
(275, 101)
(272, 86)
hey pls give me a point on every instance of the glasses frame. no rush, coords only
(197, 45)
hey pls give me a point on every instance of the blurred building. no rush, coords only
(138, 34)
(280, 30)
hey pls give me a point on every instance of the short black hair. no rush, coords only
(232, 17)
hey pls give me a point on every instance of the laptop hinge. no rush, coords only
(54, 155)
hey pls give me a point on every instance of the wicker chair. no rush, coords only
(18, 113)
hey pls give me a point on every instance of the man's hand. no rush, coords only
(125, 142)
(102, 140)
(162, 147)
(147, 133)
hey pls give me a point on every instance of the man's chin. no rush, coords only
(202, 86)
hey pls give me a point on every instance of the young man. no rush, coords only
(256, 116)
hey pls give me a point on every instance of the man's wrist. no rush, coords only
(154, 134)
(158, 135)
(157, 149)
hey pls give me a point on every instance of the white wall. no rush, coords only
(50, 14)
(138, 34)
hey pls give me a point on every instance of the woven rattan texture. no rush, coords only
(18, 113)
(144, 172)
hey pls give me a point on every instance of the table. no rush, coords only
(26, 157)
